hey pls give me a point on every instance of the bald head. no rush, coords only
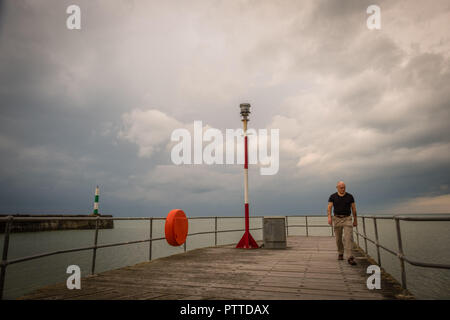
(340, 186)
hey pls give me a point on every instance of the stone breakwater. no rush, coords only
(51, 225)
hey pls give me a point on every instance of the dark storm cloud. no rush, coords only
(52, 115)
(94, 106)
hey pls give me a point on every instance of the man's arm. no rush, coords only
(355, 220)
(330, 205)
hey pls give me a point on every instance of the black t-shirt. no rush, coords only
(341, 204)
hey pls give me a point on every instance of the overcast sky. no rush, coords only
(96, 106)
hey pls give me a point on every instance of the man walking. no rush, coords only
(342, 202)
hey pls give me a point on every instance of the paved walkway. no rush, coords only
(307, 269)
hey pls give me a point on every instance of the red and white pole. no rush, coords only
(247, 241)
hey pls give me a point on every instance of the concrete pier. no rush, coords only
(56, 224)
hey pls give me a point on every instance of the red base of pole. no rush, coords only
(247, 242)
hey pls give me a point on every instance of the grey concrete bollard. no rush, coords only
(274, 232)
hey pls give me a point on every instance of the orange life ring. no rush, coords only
(176, 227)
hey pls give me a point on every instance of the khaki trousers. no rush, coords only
(344, 225)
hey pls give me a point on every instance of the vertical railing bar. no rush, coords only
(287, 226)
(94, 253)
(150, 243)
(357, 233)
(332, 227)
(215, 231)
(4, 261)
(400, 252)
(262, 226)
(306, 225)
(376, 240)
(365, 234)
(184, 244)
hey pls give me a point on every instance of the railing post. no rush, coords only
(184, 244)
(357, 234)
(215, 231)
(365, 234)
(94, 253)
(262, 228)
(151, 241)
(376, 240)
(4, 263)
(287, 227)
(306, 224)
(332, 227)
(400, 252)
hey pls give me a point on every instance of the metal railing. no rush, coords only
(307, 225)
(400, 254)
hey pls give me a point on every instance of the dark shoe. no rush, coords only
(341, 257)
(351, 261)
